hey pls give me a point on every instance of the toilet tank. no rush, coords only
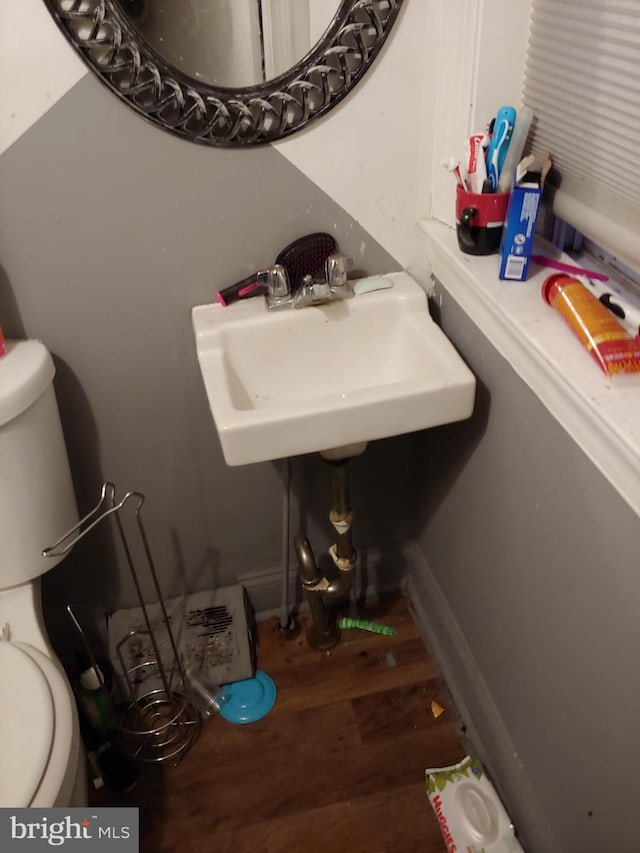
(37, 502)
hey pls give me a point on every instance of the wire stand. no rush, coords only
(159, 724)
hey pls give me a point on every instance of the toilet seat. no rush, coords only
(26, 726)
(39, 746)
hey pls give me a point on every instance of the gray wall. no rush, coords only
(110, 231)
(530, 581)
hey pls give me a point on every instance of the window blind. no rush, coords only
(582, 81)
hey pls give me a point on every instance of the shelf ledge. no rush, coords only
(601, 414)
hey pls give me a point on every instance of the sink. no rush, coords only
(326, 378)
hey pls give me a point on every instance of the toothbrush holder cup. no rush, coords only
(480, 218)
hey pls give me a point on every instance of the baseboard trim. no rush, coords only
(485, 727)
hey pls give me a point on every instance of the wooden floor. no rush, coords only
(337, 765)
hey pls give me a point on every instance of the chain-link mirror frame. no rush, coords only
(109, 44)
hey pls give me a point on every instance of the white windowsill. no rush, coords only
(601, 414)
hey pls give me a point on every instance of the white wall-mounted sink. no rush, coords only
(283, 383)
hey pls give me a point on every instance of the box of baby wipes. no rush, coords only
(471, 816)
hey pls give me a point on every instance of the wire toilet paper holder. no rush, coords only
(158, 724)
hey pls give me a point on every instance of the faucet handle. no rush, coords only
(276, 281)
(336, 268)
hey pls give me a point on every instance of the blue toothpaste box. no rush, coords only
(520, 225)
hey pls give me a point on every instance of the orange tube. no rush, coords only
(594, 325)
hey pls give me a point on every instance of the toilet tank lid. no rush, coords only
(25, 373)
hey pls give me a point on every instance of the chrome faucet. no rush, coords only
(334, 286)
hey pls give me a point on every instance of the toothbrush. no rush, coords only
(452, 165)
(503, 128)
(517, 142)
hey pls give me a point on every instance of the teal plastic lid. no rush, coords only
(248, 700)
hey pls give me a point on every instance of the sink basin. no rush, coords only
(283, 383)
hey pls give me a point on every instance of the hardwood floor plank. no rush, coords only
(273, 733)
(358, 674)
(379, 715)
(344, 827)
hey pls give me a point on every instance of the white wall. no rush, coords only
(372, 153)
(37, 66)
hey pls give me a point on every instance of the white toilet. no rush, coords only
(41, 755)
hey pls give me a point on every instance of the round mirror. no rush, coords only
(228, 72)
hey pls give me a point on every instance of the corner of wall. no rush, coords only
(486, 730)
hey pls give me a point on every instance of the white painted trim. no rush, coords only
(445, 640)
(601, 415)
(456, 44)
